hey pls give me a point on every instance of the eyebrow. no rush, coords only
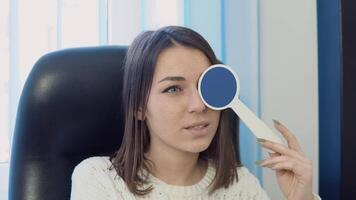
(173, 78)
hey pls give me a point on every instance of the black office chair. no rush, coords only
(69, 110)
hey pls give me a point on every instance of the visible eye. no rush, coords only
(172, 89)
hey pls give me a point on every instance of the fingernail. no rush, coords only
(276, 122)
(261, 140)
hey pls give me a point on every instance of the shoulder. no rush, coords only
(245, 177)
(97, 167)
(244, 172)
(95, 161)
(92, 178)
(246, 187)
(96, 164)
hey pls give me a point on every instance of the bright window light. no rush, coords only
(4, 81)
(37, 32)
(80, 23)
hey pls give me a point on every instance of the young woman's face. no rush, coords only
(174, 103)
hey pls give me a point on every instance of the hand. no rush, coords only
(294, 170)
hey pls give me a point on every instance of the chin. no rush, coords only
(197, 147)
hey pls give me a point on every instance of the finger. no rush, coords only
(274, 160)
(273, 154)
(278, 159)
(289, 136)
(279, 148)
(300, 170)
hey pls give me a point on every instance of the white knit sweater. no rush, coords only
(91, 179)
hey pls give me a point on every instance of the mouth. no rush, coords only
(198, 129)
(197, 126)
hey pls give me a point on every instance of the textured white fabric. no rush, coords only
(91, 179)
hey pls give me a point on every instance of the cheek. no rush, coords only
(164, 115)
(216, 116)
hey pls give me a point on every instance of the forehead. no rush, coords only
(181, 61)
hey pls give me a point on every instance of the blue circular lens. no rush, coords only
(218, 87)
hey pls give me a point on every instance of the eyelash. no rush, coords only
(174, 86)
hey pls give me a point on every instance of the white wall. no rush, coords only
(289, 75)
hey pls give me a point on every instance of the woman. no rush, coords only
(174, 147)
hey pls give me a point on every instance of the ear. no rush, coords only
(139, 115)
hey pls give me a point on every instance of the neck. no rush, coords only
(176, 167)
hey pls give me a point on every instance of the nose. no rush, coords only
(195, 103)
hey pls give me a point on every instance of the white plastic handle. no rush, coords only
(257, 126)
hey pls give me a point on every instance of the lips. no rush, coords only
(198, 125)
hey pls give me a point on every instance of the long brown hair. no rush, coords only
(139, 69)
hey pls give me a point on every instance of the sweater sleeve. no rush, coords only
(89, 182)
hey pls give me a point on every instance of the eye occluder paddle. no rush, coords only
(219, 88)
